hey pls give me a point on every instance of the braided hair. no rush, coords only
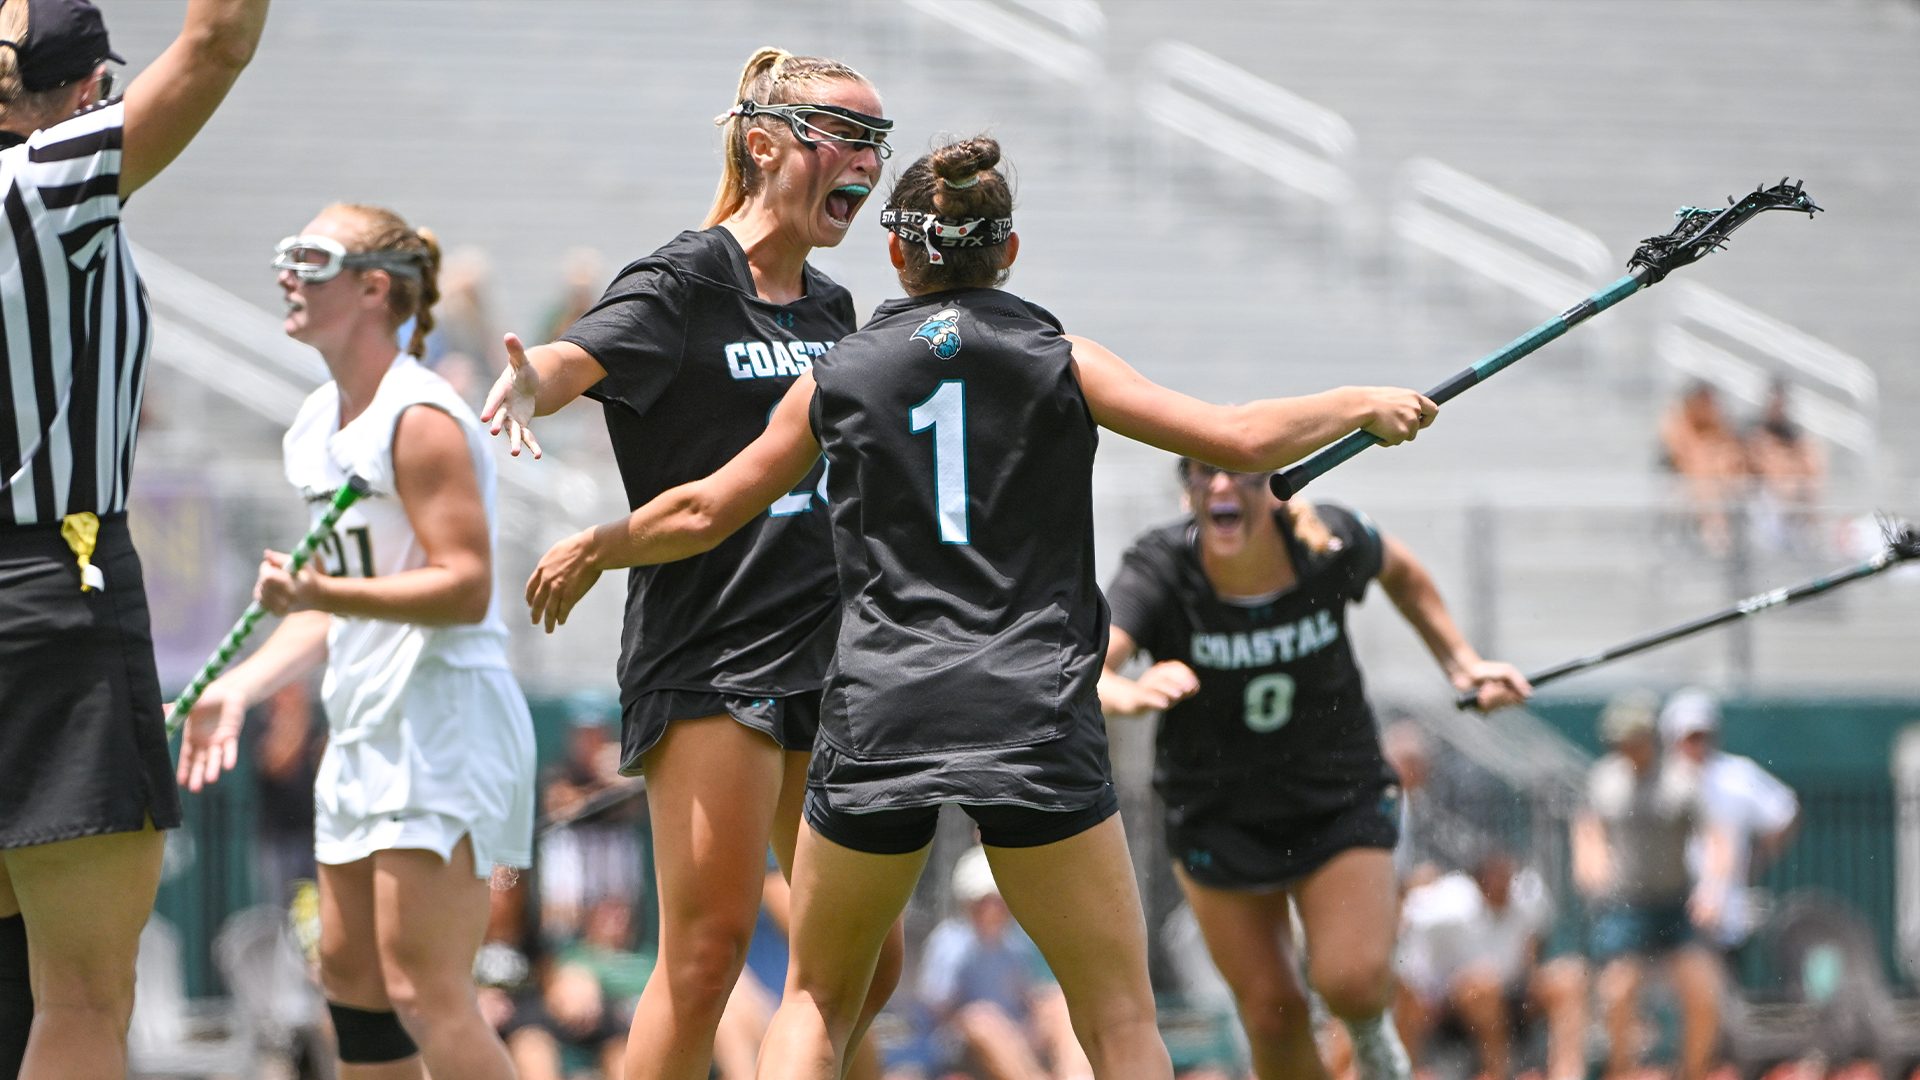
(408, 297)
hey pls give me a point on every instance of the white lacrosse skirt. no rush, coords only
(455, 760)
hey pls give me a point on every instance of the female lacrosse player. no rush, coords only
(723, 656)
(85, 775)
(1268, 761)
(427, 779)
(959, 428)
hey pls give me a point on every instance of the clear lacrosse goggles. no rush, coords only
(813, 123)
(321, 258)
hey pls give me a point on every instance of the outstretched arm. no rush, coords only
(683, 521)
(1158, 687)
(1257, 437)
(173, 98)
(210, 742)
(537, 382)
(1411, 589)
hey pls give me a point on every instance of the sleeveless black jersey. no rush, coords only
(695, 363)
(1280, 727)
(960, 456)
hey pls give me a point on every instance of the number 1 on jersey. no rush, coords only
(946, 413)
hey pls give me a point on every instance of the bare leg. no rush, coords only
(1619, 990)
(736, 1041)
(844, 906)
(1249, 936)
(1560, 989)
(712, 789)
(84, 902)
(863, 1062)
(350, 958)
(1696, 981)
(1350, 909)
(1076, 898)
(997, 1043)
(1481, 1002)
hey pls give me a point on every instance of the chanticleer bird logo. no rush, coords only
(942, 333)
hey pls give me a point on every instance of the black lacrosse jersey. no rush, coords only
(695, 363)
(1280, 727)
(959, 462)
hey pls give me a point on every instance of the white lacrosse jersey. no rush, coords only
(370, 660)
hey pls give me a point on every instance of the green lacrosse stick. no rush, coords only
(350, 492)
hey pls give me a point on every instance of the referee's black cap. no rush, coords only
(66, 40)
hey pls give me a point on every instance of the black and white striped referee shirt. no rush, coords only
(74, 324)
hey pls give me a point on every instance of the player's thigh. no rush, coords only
(1249, 935)
(9, 904)
(86, 901)
(1078, 900)
(844, 903)
(785, 834)
(430, 915)
(1350, 910)
(713, 785)
(349, 953)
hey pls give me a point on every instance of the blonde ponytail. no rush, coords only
(15, 16)
(407, 297)
(772, 77)
(1308, 528)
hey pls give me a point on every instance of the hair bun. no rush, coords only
(960, 164)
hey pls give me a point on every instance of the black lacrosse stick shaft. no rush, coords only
(1699, 233)
(1903, 547)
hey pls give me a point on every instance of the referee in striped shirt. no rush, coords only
(85, 778)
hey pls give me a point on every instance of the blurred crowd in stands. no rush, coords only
(1773, 469)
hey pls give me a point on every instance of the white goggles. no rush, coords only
(321, 258)
(813, 123)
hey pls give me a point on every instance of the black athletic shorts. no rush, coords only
(83, 742)
(1252, 856)
(897, 832)
(790, 721)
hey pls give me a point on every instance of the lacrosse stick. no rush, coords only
(1902, 544)
(350, 492)
(1699, 233)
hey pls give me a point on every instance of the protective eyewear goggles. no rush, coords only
(813, 124)
(321, 258)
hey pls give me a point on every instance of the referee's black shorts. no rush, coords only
(83, 743)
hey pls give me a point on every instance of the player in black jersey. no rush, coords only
(959, 427)
(723, 656)
(1268, 761)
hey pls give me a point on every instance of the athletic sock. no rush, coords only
(16, 995)
(1377, 1053)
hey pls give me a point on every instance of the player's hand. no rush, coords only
(1707, 906)
(282, 593)
(511, 401)
(210, 738)
(1159, 687)
(1498, 685)
(564, 575)
(1396, 415)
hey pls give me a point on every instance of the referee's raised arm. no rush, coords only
(170, 101)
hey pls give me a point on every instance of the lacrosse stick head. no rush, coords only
(1704, 231)
(1902, 541)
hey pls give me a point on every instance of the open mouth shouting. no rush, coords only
(1225, 515)
(844, 201)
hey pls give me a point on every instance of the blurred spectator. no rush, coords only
(1470, 949)
(597, 856)
(1790, 469)
(1432, 837)
(466, 347)
(1755, 811)
(1630, 859)
(586, 275)
(1701, 446)
(985, 983)
(566, 1029)
(606, 948)
(286, 754)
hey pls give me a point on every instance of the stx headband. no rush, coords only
(936, 232)
(805, 118)
(321, 258)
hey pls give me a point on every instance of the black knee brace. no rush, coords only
(16, 995)
(369, 1036)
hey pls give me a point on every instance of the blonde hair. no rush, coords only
(407, 297)
(772, 77)
(1308, 528)
(15, 19)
